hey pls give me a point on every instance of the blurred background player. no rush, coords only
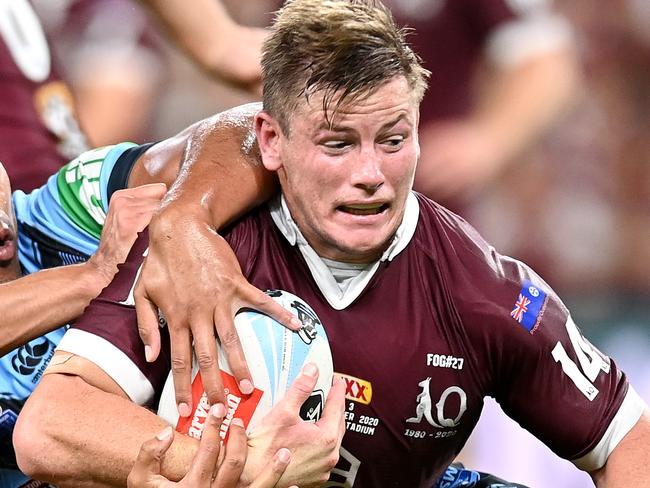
(39, 130)
(504, 71)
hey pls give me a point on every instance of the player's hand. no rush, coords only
(213, 466)
(314, 446)
(192, 274)
(129, 212)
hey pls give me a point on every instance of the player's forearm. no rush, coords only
(221, 176)
(628, 464)
(199, 30)
(41, 302)
(89, 436)
(521, 102)
(206, 32)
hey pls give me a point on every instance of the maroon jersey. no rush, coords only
(439, 326)
(38, 131)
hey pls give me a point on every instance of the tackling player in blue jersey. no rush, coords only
(67, 240)
(46, 232)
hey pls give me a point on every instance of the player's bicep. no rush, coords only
(565, 391)
(68, 363)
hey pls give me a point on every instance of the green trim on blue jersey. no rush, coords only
(79, 189)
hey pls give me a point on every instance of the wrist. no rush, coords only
(95, 274)
(177, 217)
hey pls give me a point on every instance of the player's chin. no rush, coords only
(363, 246)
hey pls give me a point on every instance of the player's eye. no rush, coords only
(394, 142)
(336, 145)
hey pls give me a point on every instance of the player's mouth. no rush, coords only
(364, 208)
(7, 241)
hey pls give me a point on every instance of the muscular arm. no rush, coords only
(92, 433)
(38, 303)
(189, 264)
(43, 301)
(213, 167)
(628, 463)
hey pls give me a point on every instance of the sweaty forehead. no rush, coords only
(390, 101)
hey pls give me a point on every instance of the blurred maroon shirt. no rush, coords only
(38, 129)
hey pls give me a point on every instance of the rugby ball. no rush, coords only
(275, 356)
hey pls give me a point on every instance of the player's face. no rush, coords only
(9, 268)
(346, 185)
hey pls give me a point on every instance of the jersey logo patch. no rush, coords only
(529, 306)
(356, 389)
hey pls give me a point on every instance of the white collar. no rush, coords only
(319, 270)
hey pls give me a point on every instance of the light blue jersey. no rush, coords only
(59, 223)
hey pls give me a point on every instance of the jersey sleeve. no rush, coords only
(544, 373)
(107, 334)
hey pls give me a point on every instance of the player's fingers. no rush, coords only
(232, 348)
(150, 190)
(129, 196)
(205, 461)
(181, 366)
(137, 215)
(334, 411)
(273, 471)
(262, 302)
(232, 466)
(148, 322)
(301, 388)
(205, 351)
(147, 464)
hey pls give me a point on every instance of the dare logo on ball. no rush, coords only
(275, 356)
(237, 405)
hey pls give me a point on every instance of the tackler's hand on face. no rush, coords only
(215, 465)
(314, 445)
(192, 275)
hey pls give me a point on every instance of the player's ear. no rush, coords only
(269, 134)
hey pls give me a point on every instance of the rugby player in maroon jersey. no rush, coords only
(425, 318)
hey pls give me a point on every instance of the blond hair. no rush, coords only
(342, 49)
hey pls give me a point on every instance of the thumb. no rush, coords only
(147, 464)
(301, 388)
